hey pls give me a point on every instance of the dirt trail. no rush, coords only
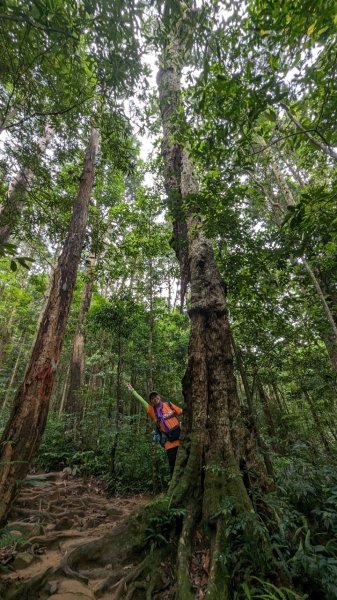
(54, 514)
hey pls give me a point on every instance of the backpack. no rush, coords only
(172, 435)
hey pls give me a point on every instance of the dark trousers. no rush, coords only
(172, 455)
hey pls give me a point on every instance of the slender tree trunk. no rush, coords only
(119, 404)
(6, 332)
(22, 435)
(151, 326)
(279, 401)
(64, 391)
(6, 335)
(16, 195)
(253, 422)
(267, 411)
(317, 421)
(321, 296)
(73, 403)
(14, 372)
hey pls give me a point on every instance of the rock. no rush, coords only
(52, 587)
(28, 530)
(23, 560)
(15, 532)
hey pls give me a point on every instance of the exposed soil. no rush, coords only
(53, 516)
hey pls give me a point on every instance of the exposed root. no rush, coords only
(24, 590)
(42, 514)
(184, 591)
(219, 578)
(138, 585)
(102, 551)
(49, 541)
(110, 580)
(131, 576)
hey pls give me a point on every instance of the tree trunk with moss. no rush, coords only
(23, 432)
(211, 480)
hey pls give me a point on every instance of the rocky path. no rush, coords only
(53, 516)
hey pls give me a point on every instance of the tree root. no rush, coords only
(24, 590)
(131, 576)
(111, 580)
(29, 512)
(50, 540)
(101, 551)
(184, 591)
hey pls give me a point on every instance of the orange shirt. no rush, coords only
(171, 421)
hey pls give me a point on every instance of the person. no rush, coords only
(165, 415)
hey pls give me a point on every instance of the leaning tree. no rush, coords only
(25, 427)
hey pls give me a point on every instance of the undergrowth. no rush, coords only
(141, 465)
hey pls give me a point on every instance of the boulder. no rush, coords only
(23, 560)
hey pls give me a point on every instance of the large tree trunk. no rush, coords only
(23, 432)
(73, 402)
(18, 189)
(213, 449)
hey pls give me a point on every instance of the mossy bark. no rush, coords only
(210, 484)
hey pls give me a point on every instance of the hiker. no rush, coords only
(164, 414)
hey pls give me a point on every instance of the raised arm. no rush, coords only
(139, 398)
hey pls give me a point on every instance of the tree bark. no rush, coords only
(18, 189)
(73, 404)
(213, 448)
(23, 432)
(168, 80)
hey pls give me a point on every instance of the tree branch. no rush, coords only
(321, 146)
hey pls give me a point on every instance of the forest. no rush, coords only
(168, 177)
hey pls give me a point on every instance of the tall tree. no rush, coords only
(213, 451)
(25, 427)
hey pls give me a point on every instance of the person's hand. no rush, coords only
(129, 386)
